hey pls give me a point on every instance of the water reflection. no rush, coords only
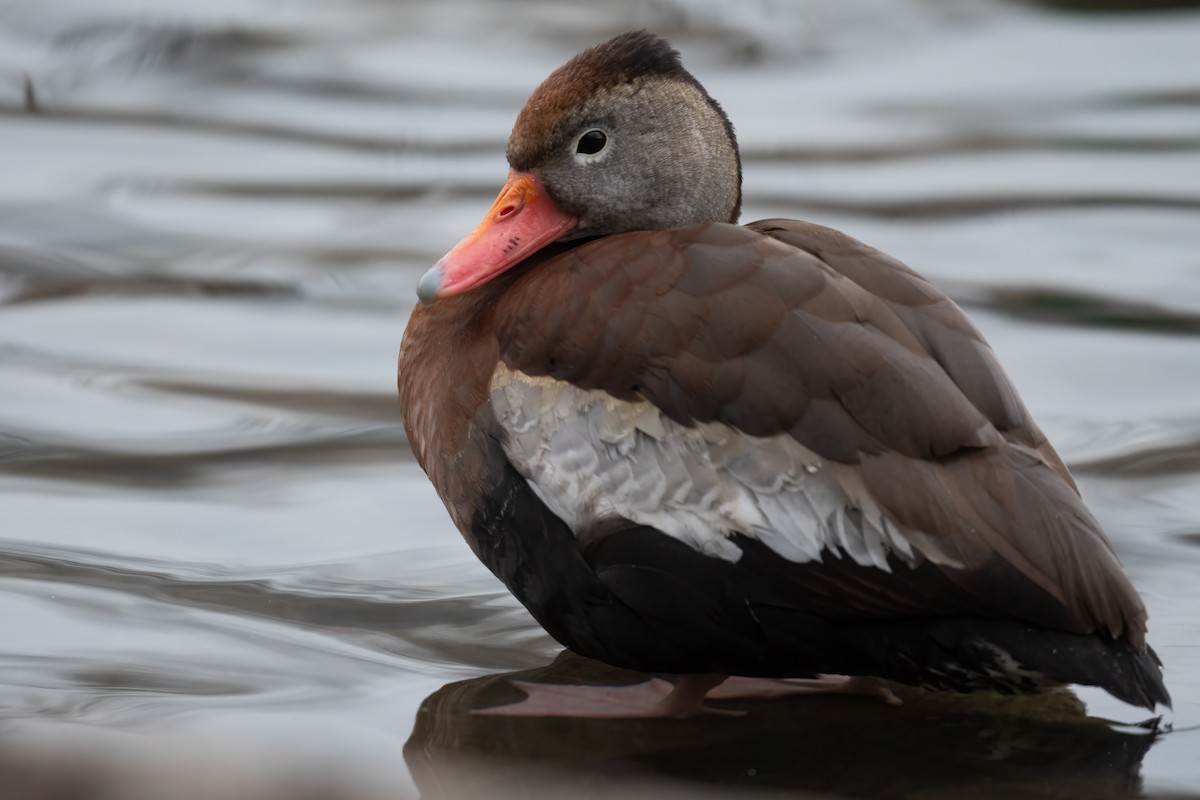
(406, 623)
(934, 746)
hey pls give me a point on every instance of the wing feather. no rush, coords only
(739, 348)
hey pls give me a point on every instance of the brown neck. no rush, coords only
(446, 363)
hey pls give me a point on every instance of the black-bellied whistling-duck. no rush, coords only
(696, 448)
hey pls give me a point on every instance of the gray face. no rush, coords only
(666, 160)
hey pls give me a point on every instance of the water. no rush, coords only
(221, 574)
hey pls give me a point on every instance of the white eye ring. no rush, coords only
(591, 146)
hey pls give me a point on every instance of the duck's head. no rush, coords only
(619, 138)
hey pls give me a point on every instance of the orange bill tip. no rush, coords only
(523, 220)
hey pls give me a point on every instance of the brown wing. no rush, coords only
(784, 328)
(945, 333)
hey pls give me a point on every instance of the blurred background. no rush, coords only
(221, 573)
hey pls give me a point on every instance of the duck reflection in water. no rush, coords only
(934, 745)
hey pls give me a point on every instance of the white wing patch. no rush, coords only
(590, 456)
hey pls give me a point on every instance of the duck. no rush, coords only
(751, 460)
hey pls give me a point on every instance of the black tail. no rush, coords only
(1010, 657)
(1114, 665)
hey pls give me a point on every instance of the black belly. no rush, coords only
(636, 598)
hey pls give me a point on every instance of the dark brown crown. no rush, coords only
(626, 58)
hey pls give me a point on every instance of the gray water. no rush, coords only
(221, 573)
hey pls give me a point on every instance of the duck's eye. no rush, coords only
(591, 143)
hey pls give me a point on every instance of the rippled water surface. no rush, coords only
(221, 571)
